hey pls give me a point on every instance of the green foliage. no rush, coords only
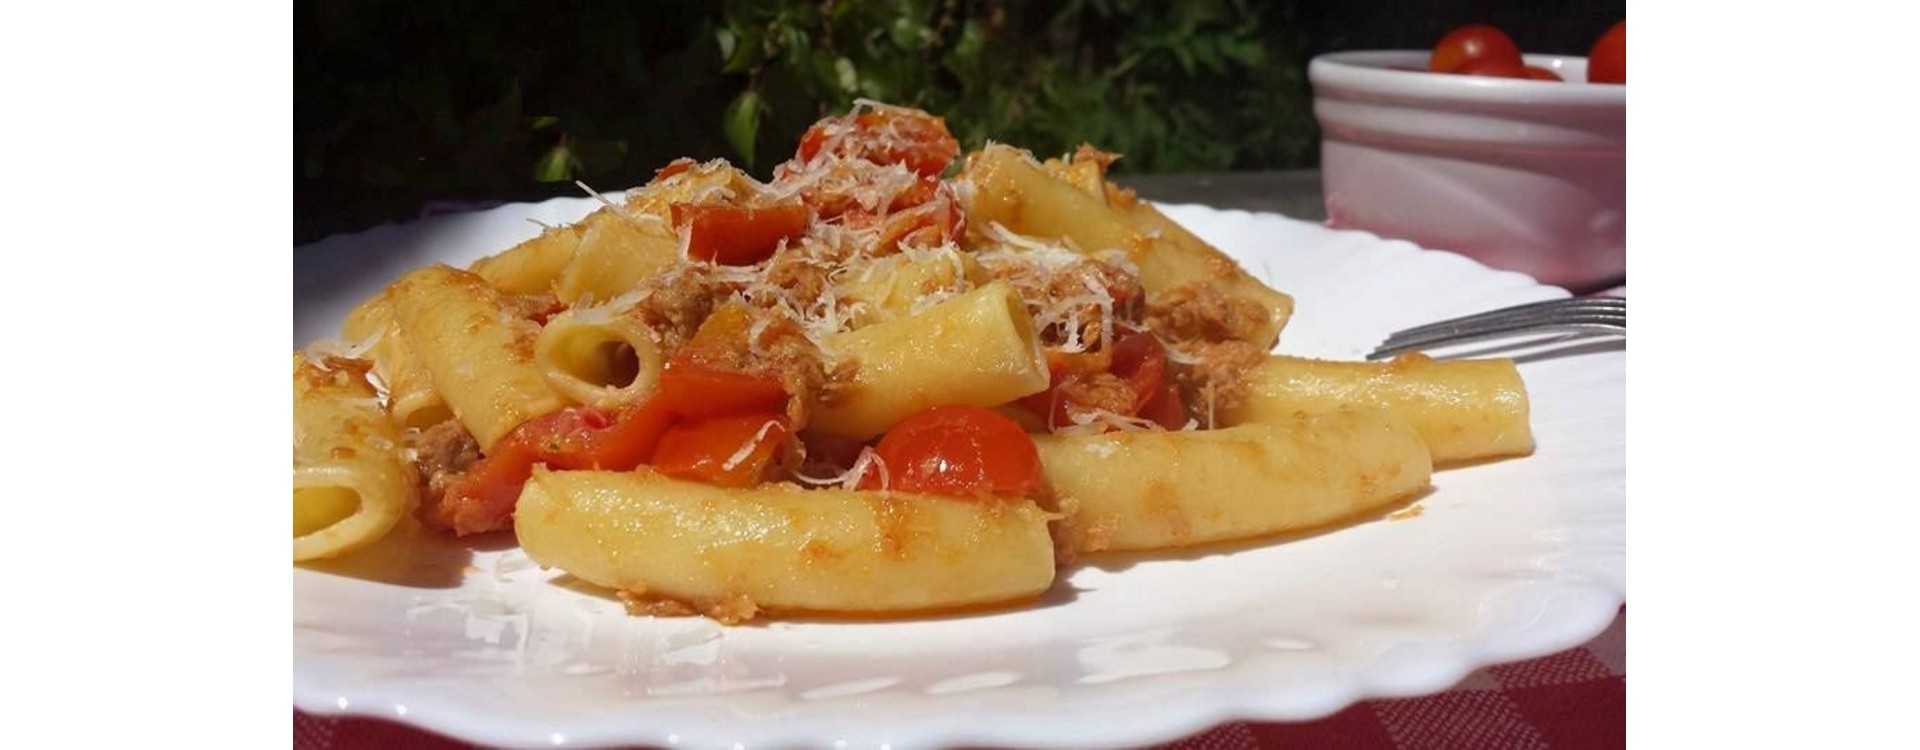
(403, 100)
(1174, 86)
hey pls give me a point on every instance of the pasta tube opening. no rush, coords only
(316, 508)
(601, 363)
(421, 413)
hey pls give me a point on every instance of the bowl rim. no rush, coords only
(1362, 72)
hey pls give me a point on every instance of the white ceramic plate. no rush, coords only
(1510, 560)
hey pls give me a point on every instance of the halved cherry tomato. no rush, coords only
(1538, 73)
(731, 451)
(959, 451)
(738, 235)
(1473, 42)
(916, 139)
(1607, 61)
(1492, 69)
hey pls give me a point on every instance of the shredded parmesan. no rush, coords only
(1181, 356)
(597, 196)
(1039, 269)
(318, 351)
(850, 479)
(746, 449)
(1097, 421)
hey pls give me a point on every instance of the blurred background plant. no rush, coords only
(400, 102)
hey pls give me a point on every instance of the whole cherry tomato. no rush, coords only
(1607, 62)
(1473, 42)
(961, 451)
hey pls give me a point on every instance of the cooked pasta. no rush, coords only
(886, 381)
(351, 483)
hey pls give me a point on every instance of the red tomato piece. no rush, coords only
(958, 451)
(890, 136)
(1607, 61)
(672, 168)
(691, 390)
(1141, 359)
(924, 226)
(732, 451)
(1492, 69)
(739, 235)
(1473, 42)
(1064, 369)
(573, 438)
(1538, 73)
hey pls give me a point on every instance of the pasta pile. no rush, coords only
(890, 380)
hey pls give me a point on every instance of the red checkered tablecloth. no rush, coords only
(1573, 699)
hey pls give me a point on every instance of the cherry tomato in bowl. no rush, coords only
(1607, 62)
(1473, 43)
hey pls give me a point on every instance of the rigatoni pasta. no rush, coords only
(351, 484)
(598, 357)
(860, 388)
(479, 354)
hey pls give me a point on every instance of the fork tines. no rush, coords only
(1579, 314)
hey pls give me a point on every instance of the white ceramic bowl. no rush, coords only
(1524, 175)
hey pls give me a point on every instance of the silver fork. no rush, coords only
(1574, 315)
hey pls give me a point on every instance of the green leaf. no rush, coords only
(556, 166)
(746, 50)
(543, 122)
(742, 123)
(728, 42)
(845, 74)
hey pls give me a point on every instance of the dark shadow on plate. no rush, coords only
(1114, 562)
(408, 556)
(1059, 594)
(492, 541)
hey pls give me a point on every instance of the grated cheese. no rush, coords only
(746, 449)
(850, 479)
(1035, 267)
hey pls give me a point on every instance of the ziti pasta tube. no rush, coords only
(1149, 490)
(976, 349)
(1464, 409)
(1012, 189)
(729, 553)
